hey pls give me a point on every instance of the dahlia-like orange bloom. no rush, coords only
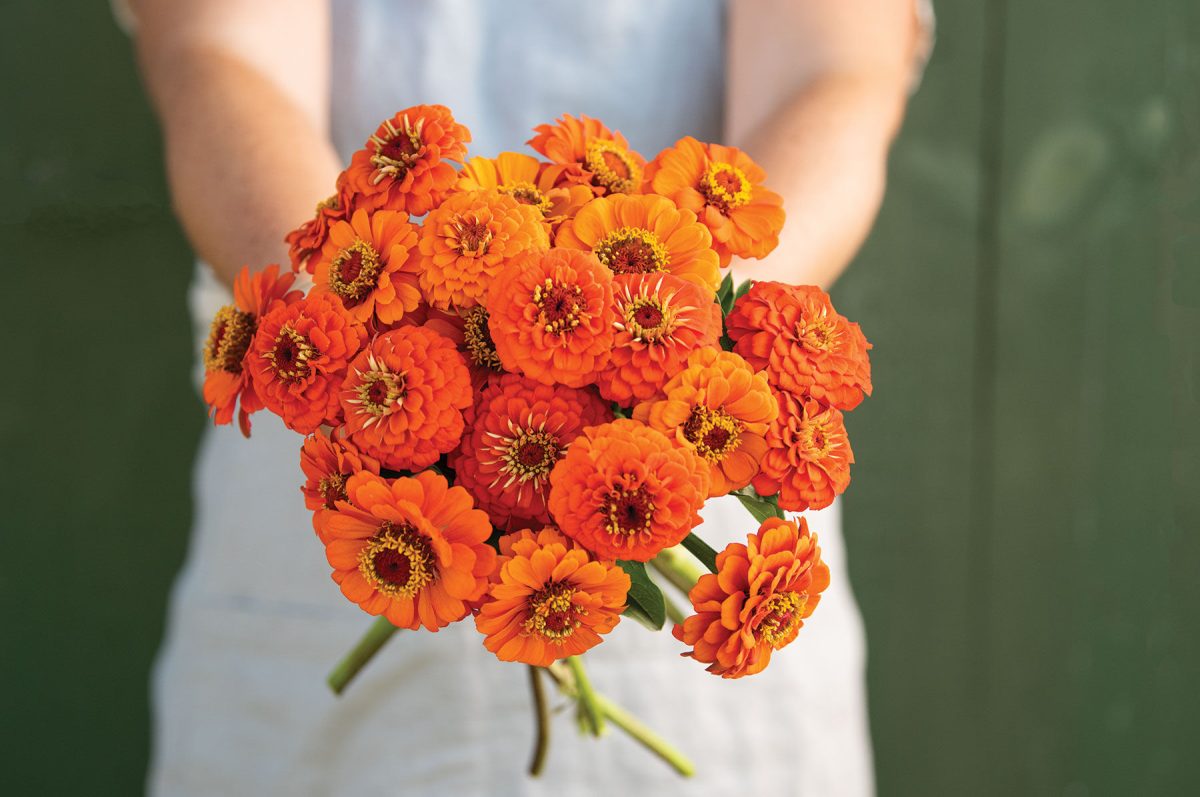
(757, 601)
(328, 461)
(808, 455)
(549, 599)
(721, 408)
(521, 430)
(299, 357)
(226, 379)
(552, 317)
(529, 181)
(370, 263)
(661, 319)
(808, 349)
(404, 397)
(723, 187)
(469, 239)
(599, 158)
(626, 491)
(404, 165)
(309, 238)
(644, 234)
(414, 550)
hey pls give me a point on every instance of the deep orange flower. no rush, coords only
(549, 599)
(723, 187)
(552, 317)
(599, 157)
(661, 319)
(309, 238)
(299, 357)
(469, 239)
(721, 408)
(644, 234)
(794, 334)
(413, 550)
(757, 601)
(328, 461)
(529, 181)
(625, 491)
(808, 455)
(521, 430)
(403, 166)
(226, 379)
(370, 263)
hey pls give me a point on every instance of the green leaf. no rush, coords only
(725, 294)
(741, 290)
(758, 506)
(701, 550)
(646, 603)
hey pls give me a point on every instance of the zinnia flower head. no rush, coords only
(404, 397)
(370, 263)
(309, 238)
(549, 598)
(723, 187)
(626, 491)
(520, 432)
(404, 165)
(719, 407)
(808, 349)
(644, 234)
(808, 455)
(469, 239)
(551, 318)
(529, 181)
(226, 380)
(413, 550)
(299, 357)
(661, 319)
(757, 600)
(328, 462)
(599, 157)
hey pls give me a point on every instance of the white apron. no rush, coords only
(255, 623)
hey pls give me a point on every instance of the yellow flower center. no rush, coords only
(529, 455)
(477, 338)
(291, 354)
(725, 186)
(527, 194)
(714, 433)
(781, 619)
(397, 561)
(378, 391)
(816, 439)
(228, 338)
(470, 234)
(396, 153)
(628, 511)
(612, 166)
(820, 333)
(552, 613)
(647, 319)
(331, 203)
(632, 250)
(333, 489)
(354, 271)
(559, 306)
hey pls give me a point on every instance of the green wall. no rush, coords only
(1023, 523)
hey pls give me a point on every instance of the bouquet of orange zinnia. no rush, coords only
(516, 404)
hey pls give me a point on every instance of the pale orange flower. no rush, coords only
(599, 158)
(529, 181)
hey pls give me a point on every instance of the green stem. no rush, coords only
(701, 550)
(674, 613)
(677, 568)
(378, 634)
(592, 715)
(541, 714)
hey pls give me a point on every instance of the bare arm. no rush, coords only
(816, 92)
(241, 88)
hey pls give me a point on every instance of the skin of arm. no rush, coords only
(241, 90)
(815, 92)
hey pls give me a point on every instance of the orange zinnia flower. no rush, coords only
(549, 599)
(521, 430)
(309, 238)
(413, 550)
(723, 187)
(721, 408)
(328, 461)
(757, 601)
(404, 165)
(661, 319)
(552, 317)
(808, 455)
(625, 491)
(529, 181)
(794, 334)
(643, 234)
(469, 239)
(599, 157)
(299, 358)
(226, 379)
(370, 263)
(404, 397)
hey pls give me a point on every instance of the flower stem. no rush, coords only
(593, 717)
(541, 714)
(701, 550)
(677, 568)
(378, 634)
